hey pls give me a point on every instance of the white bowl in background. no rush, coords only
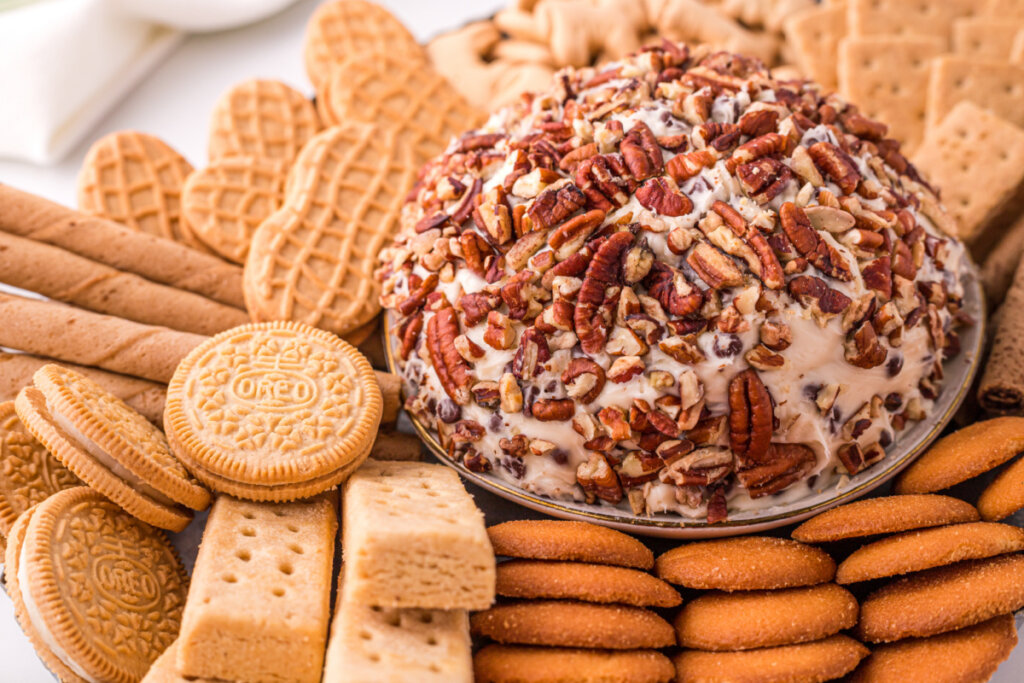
(202, 15)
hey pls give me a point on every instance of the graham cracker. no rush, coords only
(902, 18)
(985, 37)
(814, 35)
(383, 644)
(1005, 8)
(996, 86)
(976, 159)
(887, 77)
(413, 537)
(259, 602)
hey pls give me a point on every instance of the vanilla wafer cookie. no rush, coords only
(411, 98)
(225, 202)
(312, 261)
(117, 246)
(264, 119)
(136, 179)
(259, 602)
(343, 28)
(29, 473)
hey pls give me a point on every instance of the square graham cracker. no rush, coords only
(259, 602)
(997, 86)
(1012, 9)
(887, 77)
(933, 18)
(397, 644)
(413, 537)
(985, 37)
(814, 34)
(976, 159)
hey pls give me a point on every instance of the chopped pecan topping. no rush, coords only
(863, 348)
(583, 379)
(672, 290)
(598, 480)
(554, 409)
(714, 267)
(568, 237)
(784, 464)
(855, 458)
(764, 179)
(553, 206)
(684, 166)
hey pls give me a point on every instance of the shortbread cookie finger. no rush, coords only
(342, 28)
(968, 655)
(117, 246)
(264, 119)
(349, 185)
(81, 566)
(573, 624)
(885, 515)
(746, 620)
(586, 582)
(225, 202)
(522, 664)
(165, 669)
(822, 660)
(963, 455)
(136, 179)
(67, 277)
(943, 599)
(16, 370)
(917, 550)
(549, 539)
(1005, 495)
(746, 563)
(102, 341)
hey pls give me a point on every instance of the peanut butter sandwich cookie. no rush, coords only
(264, 119)
(885, 515)
(99, 594)
(110, 447)
(273, 411)
(747, 620)
(963, 455)
(413, 537)
(821, 660)
(745, 563)
(943, 599)
(29, 473)
(520, 664)
(917, 550)
(968, 655)
(549, 539)
(573, 624)
(586, 582)
(260, 597)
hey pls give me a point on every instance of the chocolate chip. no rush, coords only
(894, 364)
(514, 466)
(448, 411)
(885, 438)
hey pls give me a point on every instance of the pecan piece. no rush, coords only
(570, 236)
(554, 409)
(877, 276)
(813, 293)
(762, 146)
(583, 379)
(751, 417)
(863, 348)
(476, 306)
(855, 458)
(494, 216)
(672, 290)
(641, 152)
(764, 179)
(418, 296)
(658, 196)
(499, 333)
(836, 164)
(523, 248)
(452, 370)
(409, 332)
(760, 122)
(811, 244)
(784, 464)
(600, 179)
(684, 166)
(598, 480)
(714, 267)
(475, 251)
(700, 467)
(639, 467)
(553, 206)
(532, 352)
(603, 272)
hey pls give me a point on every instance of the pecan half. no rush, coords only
(700, 467)
(409, 332)
(784, 464)
(583, 379)
(526, 246)
(598, 480)
(810, 243)
(751, 417)
(452, 370)
(641, 152)
(761, 146)
(764, 179)
(418, 296)
(684, 166)
(553, 206)
(532, 352)
(714, 267)
(603, 272)
(554, 409)
(658, 196)
(759, 122)
(836, 164)
(877, 276)
(672, 290)
(476, 306)
(813, 293)
(570, 236)
(602, 182)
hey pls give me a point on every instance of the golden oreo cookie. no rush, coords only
(343, 28)
(1005, 495)
(885, 515)
(29, 473)
(573, 624)
(746, 620)
(918, 550)
(522, 664)
(968, 655)
(943, 599)
(586, 582)
(745, 563)
(963, 455)
(109, 446)
(821, 660)
(99, 594)
(549, 539)
(263, 119)
(273, 411)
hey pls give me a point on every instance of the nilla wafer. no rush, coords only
(821, 660)
(1005, 495)
(549, 539)
(745, 563)
(884, 515)
(521, 664)
(581, 581)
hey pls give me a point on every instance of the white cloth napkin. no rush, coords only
(63, 64)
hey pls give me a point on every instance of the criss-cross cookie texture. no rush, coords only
(264, 119)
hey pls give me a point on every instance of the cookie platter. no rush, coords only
(783, 508)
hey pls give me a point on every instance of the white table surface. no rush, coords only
(174, 103)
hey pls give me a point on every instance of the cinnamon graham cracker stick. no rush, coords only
(160, 260)
(1002, 385)
(59, 274)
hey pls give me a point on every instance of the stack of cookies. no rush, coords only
(960, 580)
(577, 605)
(769, 605)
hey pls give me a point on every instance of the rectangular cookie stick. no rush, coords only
(165, 669)
(259, 601)
(395, 645)
(413, 537)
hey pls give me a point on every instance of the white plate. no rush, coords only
(911, 442)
